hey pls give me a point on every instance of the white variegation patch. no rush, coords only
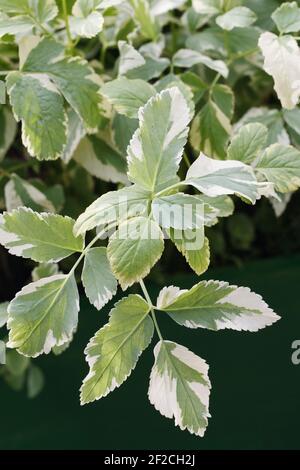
(10, 128)
(188, 58)
(26, 44)
(99, 283)
(207, 7)
(113, 352)
(216, 305)
(159, 7)
(86, 157)
(86, 26)
(43, 315)
(17, 192)
(282, 62)
(130, 58)
(43, 237)
(238, 17)
(3, 313)
(216, 178)
(113, 206)
(157, 146)
(180, 387)
(167, 295)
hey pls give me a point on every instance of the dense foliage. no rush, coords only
(117, 99)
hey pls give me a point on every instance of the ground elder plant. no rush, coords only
(130, 125)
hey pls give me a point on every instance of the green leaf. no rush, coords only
(16, 364)
(41, 237)
(208, 7)
(101, 160)
(38, 104)
(263, 11)
(171, 81)
(217, 178)
(287, 17)
(181, 211)
(188, 58)
(271, 119)
(43, 315)
(3, 313)
(135, 65)
(248, 142)
(134, 249)
(282, 62)
(16, 25)
(144, 19)
(112, 207)
(280, 165)
(159, 7)
(75, 79)
(85, 21)
(196, 85)
(180, 387)
(198, 259)
(292, 119)
(113, 352)
(75, 133)
(223, 205)
(26, 15)
(217, 305)
(130, 58)
(238, 40)
(19, 192)
(212, 127)
(35, 381)
(99, 283)
(156, 148)
(239, 17)
(14, 6)
(123, 129)
(8, 130)
(58, 350)
(44, 270)
(128, 96)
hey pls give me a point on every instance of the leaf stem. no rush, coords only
(90, 245)
(214, 82)
(149, 301)
(174, 186)
(186, 159)
(66, 18)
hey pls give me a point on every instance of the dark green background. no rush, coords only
(255, 400)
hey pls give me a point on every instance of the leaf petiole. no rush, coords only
(149, 301)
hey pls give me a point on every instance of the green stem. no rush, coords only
(66, 18)
(174, 186)
(242, 55)
(214, 82)
(40, 25)
(186, 159)
(20, 166)
(90, 245)
(149, 302)
(103, 54)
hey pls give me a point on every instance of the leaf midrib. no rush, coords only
(115, 354)
(185, 386)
